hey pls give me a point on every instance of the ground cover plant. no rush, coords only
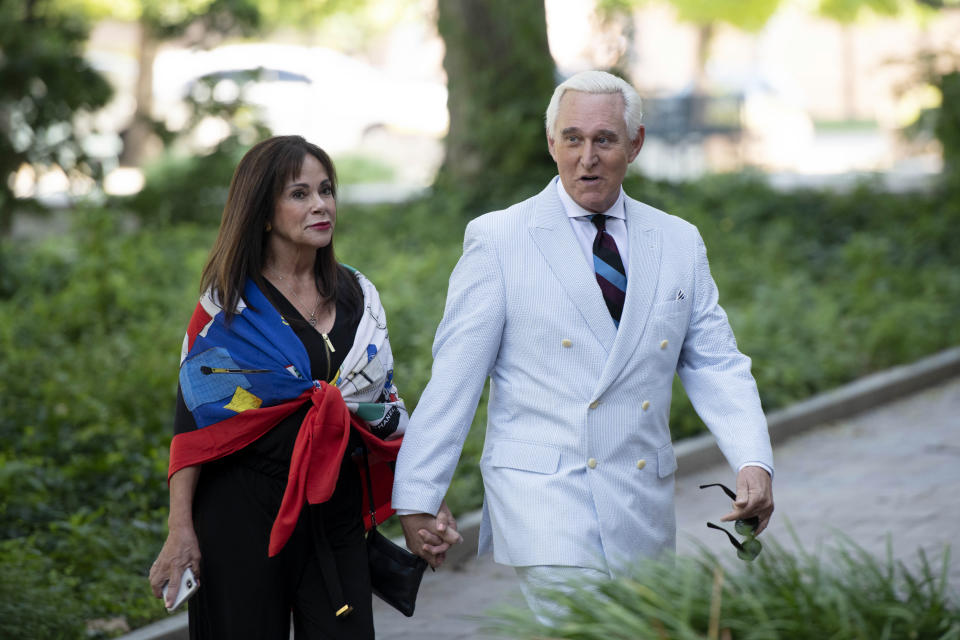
(836, 592)
(821, 288)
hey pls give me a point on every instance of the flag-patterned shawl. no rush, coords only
(239, 380)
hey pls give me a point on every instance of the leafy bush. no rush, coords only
(357, 168)
(37, 600)
(46, 87)
(842, 593)
(193, 188)
(184, 188)
(821, 288)
(90, 328)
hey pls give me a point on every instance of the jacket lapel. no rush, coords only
(642, 276)
(551, 232)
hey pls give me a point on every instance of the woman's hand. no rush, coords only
(181, 550)
(430, 536)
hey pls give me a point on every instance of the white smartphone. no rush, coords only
(188, 586)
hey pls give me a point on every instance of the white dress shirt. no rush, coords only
(585, 231)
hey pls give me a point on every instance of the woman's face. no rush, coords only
(305, 212)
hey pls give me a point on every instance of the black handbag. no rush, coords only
(395, 573)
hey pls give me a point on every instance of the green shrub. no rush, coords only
(821, 288)
(37, 600)
(357, 168)
(90, 332)
(843, 592)
(178, 189)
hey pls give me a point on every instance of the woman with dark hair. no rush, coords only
(286, 392)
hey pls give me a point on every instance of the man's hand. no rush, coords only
(430, 536)
(754, 497)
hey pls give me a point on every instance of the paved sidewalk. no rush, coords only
(895, 470)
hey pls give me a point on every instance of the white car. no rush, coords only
(324, 95)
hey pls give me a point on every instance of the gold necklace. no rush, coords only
(313, 314)
(327, 343)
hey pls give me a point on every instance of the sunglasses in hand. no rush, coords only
(750, 548)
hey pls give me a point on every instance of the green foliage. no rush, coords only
(44, 84)
(749, 15)
(171, 18)
(847, 11)
(183, 189)
(355, 168)
(36, 599)
(192, 187)
(821, 288)
(90, 328)
(311, 13)
(842, 592)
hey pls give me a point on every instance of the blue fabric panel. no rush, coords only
(257, 338)
(200, 388)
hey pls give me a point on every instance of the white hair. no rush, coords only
(598, 82)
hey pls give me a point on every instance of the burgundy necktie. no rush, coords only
(611, 276)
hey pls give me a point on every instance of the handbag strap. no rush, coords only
(373, 516)
(366, 463)
(328, 566)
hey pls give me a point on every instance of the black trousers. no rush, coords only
(245, 594)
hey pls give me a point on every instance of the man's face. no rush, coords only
(592, 148)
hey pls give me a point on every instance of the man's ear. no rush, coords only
(636, 144)
(551, 147)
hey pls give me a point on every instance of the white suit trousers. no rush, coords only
(534, 580)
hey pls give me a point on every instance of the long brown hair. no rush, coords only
(238, 252)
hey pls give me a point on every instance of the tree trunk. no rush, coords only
(705, 34)
(849, 72)
(500, 77)
(138, 134)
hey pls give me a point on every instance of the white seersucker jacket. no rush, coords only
(577, 463)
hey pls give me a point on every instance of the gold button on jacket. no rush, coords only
(592, 463)
(641, 464)
(566, 343)
(645, 405)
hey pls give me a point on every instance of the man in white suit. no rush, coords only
(579, 303)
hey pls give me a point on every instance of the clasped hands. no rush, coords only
(431, 536)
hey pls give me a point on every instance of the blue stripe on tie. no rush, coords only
(611, 275)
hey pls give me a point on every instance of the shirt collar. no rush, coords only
(576, 211)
